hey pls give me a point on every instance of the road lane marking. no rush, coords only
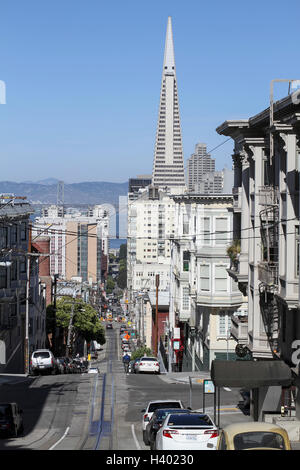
(227, 389)
(54, 445)
(135, 438)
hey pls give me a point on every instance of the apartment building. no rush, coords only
(203, 298)
(79, 242)
(266, 227)
(15, 246)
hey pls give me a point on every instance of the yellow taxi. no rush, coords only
(253, 436)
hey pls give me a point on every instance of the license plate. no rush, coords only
(191, 437)
(41, 367)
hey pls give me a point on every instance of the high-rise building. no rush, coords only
(168, 167)
(199, 164)
(78, 242)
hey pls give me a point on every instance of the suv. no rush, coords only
(43, 360)
(11, 421)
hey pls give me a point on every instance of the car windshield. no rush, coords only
(5, 410)
(157, 406)
(41, 355)
(250, 440)
(161, 414)
(189, 419)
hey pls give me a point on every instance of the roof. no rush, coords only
(250, 374)
(163, 298)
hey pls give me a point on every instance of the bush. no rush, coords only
(142, 351)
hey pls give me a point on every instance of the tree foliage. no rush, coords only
(142, 351)
(85, 319)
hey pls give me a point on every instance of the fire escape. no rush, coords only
(268, 267)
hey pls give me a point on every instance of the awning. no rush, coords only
(250, 374)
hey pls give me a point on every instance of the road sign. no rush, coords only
(208, 386)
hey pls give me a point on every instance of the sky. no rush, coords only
(83, 79)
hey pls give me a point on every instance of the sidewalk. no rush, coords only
(184, 377)
(13, 379)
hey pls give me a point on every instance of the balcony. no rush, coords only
(268, 273)
(268, 195)
(237, 199)
(239, 329)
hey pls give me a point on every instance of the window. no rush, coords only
(220, 279)
(220, 235)
(224, 324)
(185, 227)
(3, 277)
(186, 261)
(205, 277)
(185, 298)
(23, 231)
(206, 231)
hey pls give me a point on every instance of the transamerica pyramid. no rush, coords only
(168, 168)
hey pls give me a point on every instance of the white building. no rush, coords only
(168, 166)
(203, 297)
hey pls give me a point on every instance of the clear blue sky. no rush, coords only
(83, 79)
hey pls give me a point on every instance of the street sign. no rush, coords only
(208, 386)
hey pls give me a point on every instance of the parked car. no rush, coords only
(135, 364)
(60, 366)
(253, 436)
(11, 419)
(43, 360)
(156, 405)
(156, 422)
(148, 364)
(187, 431)
(70, 365)
(64, 364)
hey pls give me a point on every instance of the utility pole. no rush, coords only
(69, 329)
(54, 319)
(156, 317)
(26, 348)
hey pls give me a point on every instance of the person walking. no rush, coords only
(126, 360)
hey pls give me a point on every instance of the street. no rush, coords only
(99, 412)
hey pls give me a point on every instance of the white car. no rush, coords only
(148, 364)
(156, 405)
(190, 431)
(43, 360)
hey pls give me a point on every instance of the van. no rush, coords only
(43, 360)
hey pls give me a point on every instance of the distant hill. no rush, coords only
(76, 193)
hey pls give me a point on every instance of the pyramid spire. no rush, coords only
(169, 57)
(168, 168)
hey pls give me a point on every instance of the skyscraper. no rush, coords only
(198, 165)
(168, 167)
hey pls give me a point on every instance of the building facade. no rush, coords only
(266, 225)
(15, 246)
